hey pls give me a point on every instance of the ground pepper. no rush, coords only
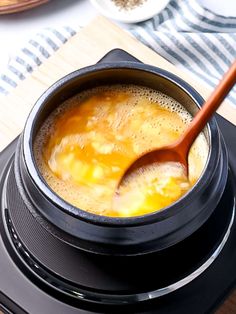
(128, 4)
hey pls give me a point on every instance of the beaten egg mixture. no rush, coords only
(84, 147)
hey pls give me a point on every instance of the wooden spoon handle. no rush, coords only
(209, 108)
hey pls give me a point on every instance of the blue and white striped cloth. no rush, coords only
(39, 48)
(188, 35)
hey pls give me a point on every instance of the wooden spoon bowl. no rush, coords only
(178, 151)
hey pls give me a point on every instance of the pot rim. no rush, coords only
(68, 208)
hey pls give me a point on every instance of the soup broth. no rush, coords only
(85, 145)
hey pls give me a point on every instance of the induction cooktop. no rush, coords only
(40, 274)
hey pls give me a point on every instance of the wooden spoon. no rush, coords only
(178, 151)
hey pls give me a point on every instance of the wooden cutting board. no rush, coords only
(83, 49)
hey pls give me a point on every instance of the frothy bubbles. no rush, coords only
(125, 120)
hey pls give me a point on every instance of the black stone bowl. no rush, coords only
(120, 236)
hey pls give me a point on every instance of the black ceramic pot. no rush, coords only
(121, 236)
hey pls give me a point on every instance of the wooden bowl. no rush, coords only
(13, 6)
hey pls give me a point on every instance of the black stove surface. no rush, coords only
(22, 292)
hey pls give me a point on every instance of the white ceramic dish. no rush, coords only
(143, 12)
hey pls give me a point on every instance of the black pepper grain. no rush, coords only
(128, 4)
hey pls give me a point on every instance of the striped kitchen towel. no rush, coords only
(188, 35)
(194, 39)
(39, 48)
